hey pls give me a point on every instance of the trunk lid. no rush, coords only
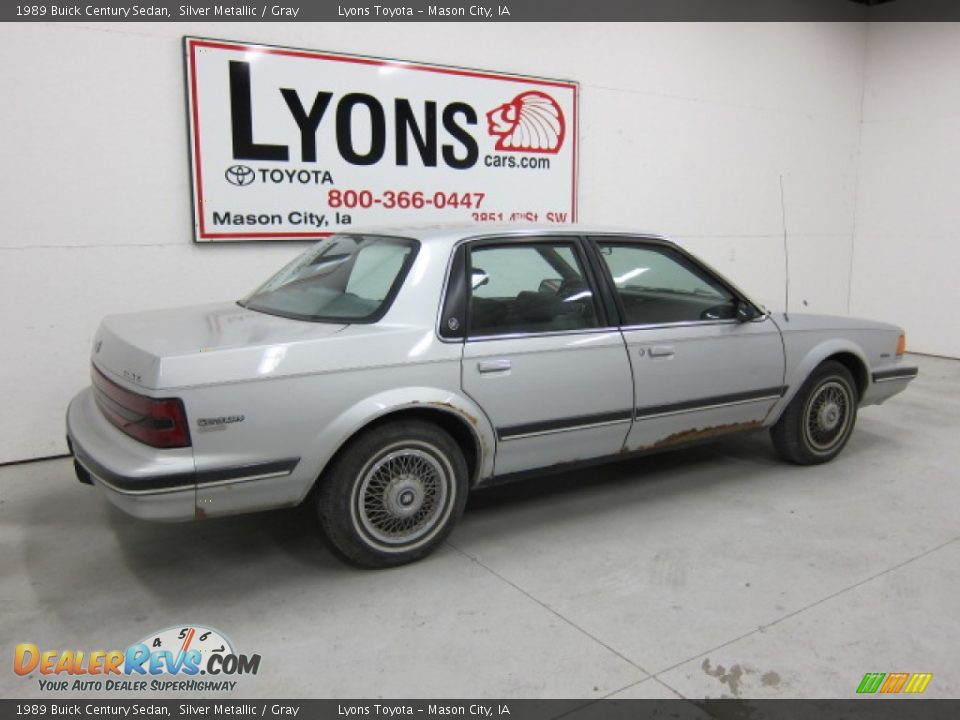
(143, 348)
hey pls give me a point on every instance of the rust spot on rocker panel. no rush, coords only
(705, 433)
(199, 513)
(697, 434)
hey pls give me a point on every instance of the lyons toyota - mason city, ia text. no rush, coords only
(477, 11)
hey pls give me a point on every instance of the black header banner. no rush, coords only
(480, 11)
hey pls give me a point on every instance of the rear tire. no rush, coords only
(818, 421)
(393, 494)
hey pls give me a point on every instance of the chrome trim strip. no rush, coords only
(561, 231)
(180, 482)
(243, 479)
(158, 491)
(714, 406)
(638, 414)
(607, 328)
(186, 488)
(586, 426)
(685, 323)
(896, 373)
(552, 333)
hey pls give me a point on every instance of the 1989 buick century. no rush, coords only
(382, 376)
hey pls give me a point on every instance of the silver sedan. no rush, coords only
(381, 376)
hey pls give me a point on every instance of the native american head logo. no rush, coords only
(531, 122)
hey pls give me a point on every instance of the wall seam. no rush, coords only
(856, 165)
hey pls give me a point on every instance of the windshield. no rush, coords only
(345, 278)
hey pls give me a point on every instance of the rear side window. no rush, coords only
(528, 288)
(657, 286)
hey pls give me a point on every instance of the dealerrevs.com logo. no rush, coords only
(169, 660)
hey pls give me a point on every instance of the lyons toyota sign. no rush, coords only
(288, 144)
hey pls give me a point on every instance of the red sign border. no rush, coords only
(192, 43)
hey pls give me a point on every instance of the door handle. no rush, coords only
(661, 350)
(493, 366)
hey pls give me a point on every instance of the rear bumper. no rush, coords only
(886, 383)
(146, 482)
(162, 484)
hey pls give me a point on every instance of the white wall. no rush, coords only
(907, 242)
(686, 130)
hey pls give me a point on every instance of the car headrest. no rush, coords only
(538, 307)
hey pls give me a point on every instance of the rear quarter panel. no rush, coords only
(366, 375)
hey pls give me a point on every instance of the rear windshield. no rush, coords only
(345, 278)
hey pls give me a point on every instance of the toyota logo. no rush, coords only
(239, 175)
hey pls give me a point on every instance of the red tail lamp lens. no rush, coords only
(158, 423)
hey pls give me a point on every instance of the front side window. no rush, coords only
(657, 286)
(528, 288)
(346, 278)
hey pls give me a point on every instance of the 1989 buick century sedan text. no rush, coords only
(382, 376)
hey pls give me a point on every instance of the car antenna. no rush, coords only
(786, 256)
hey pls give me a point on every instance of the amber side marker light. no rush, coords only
(901, 345)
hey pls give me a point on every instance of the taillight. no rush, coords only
(902, 345)
(159, 423)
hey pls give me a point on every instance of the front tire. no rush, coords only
(818, 422)
(393, 494)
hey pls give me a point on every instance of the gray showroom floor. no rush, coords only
(718, 571)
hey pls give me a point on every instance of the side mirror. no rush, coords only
(746, 312)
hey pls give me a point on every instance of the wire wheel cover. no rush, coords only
(828, 415)
(402, 496)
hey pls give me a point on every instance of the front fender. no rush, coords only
(803, 355)
(340, 429)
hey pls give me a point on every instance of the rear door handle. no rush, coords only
(493, 366)
(661, 350)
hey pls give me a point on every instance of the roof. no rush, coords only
(452, 233)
